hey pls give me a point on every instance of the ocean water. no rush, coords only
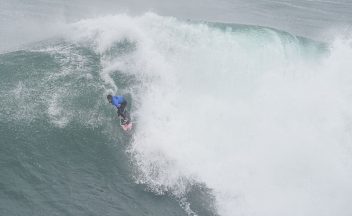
(239, 108)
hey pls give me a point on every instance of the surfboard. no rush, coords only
(128, 126)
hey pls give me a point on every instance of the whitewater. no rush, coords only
(230, 119)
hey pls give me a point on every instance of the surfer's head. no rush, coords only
(109, 97)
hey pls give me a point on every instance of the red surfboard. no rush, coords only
(127, 127)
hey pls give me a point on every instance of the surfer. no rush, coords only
(120, 102)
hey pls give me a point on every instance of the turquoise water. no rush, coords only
(59, 154)
(229, 118)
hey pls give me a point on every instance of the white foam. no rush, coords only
(56, 112)
(249, 113)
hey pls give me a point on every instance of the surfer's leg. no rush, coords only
(120, 113)
(123, 106)
(121, 109)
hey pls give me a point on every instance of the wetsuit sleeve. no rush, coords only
(115, 102)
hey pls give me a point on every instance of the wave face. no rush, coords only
(257, 119)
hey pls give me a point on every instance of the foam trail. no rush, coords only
(260, 117)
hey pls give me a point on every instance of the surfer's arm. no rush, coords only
(117, 105)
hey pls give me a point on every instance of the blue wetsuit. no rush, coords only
(120, 103)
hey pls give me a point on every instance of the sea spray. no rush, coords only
(261, 117)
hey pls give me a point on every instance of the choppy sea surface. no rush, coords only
(239, 108)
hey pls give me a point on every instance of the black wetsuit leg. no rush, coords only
(121, 109)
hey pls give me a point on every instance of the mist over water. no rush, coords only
(29, 21)
(259, 116)
(229, 119)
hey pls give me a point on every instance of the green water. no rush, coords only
(69, 162)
